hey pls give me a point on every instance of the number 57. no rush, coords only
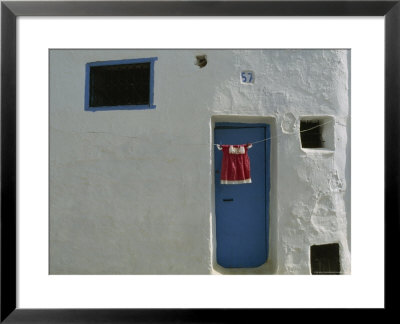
(247, 76)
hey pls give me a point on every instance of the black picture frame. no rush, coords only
(10, 10)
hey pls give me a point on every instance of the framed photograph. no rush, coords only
(176, 160)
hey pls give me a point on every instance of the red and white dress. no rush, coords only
(235, 164)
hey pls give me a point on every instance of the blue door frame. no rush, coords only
(242, 210)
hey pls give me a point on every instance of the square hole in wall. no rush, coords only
(317, 132)
(325, 259)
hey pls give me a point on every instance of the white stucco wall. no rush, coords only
(131, 191)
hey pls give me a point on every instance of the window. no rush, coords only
(310, 134)
(325, 259)
(116, 85)
(317, 133)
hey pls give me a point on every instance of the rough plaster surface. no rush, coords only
(131, 192)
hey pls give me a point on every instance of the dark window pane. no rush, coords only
(311, 138)
(120, 85)
(325, 259)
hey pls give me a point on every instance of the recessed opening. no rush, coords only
(325, 259)
(269, 267)
(201, 60)
(317, 133)
(311, 134)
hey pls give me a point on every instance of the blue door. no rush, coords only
(242, 217)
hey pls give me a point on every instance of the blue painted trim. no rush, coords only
(87, 86)
(151, 105)
(127, 61)
(241, 125)
(151, 97)
(106, 108)
(267, 183)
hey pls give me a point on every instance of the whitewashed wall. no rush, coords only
(131, 191)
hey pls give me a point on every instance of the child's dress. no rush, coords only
(235, 164)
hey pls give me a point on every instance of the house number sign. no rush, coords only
(247, 77)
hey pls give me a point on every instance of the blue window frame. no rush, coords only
(120, 84)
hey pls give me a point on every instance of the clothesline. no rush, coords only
(266, 139)
(138, 138)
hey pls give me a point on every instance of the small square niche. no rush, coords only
(325, 259)
(317, 133)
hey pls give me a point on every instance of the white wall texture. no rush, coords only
(131, 191)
